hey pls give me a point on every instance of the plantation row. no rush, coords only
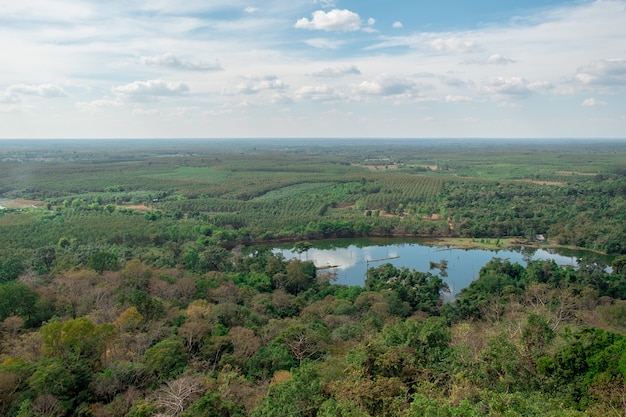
(281, 191)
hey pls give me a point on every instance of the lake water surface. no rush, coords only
(350, 258)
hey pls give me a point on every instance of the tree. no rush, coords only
(175, 396)
(302, 247)
(422, 291)
(17, 300)
(10, 270)
(302, 341)
(536, 335)
(44, 258)
(166, 359)
(136, 275)
(77, 340)
(298, 277)
(213, 405)
(619, 265)
(103, 261)
(67, 382)
(269, 359)
(245, 344)
(301, 395)
(197, 326)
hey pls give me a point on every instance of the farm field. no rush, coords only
(572, 192)
(137, 278)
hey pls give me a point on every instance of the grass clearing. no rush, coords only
(292, 191)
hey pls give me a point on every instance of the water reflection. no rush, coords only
(350, 261)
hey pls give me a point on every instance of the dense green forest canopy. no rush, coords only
(132, 282)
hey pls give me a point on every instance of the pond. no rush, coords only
(350, 258)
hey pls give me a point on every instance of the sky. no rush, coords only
(312, 69)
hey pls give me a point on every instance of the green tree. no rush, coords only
(212, 405)
(10, 270)
(422, 291)
(536, 335)
(76, 340)
(68, 382)
(269, 359)
(136, 275)
(17, 300)
(298, 277)
(619, 265)
(103, 261)
(301, 395)
(44, 258)
(302, 247)
(166, 359)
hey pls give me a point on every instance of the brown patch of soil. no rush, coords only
(138, 207)
(589, 174)
(381, 167)
(542, 182)
(20, 203)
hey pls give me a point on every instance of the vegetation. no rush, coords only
(131, 285)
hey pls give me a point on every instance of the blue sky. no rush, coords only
(314, 68)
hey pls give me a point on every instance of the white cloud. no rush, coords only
(337, 72)
(281, 99)
(322, 43)
(456, 45)
(574, 50)
(254, 85)
(455, 81)
(319, 93)
(590, 102)
(327, 4)
(444, 43)
(9, 98)
(370, 26)
(494, 59)
(97, 105)
(41, 90)
(387, 85)
(334, 20)
(41, 10)
(498, 59)
(150, 90)
(458, 99)
(603, 72)
(146, 112)
(515, 87)
(171, 61)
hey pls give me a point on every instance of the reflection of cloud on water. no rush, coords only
(339, 258)
(343, 258)
(541, 254)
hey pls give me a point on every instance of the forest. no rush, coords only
(137, 278)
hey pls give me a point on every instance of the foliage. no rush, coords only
(420, 291)
(178, 314)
